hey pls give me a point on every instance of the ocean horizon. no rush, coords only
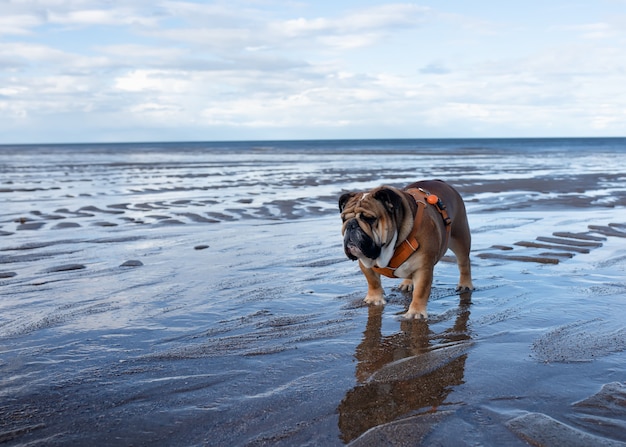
(554, 143)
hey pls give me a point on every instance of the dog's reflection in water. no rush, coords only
(414, 369)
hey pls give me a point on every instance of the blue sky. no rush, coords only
(151, 70)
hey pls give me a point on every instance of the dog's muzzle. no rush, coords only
(357, 243)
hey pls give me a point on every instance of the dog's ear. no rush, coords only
(344, 199)
(390, 199)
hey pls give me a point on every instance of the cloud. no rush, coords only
(18, 24)
(598, 30)
(378, 18)
(153, 81)
(387, 17)
(222, 14)
(25, 16)
(109, 17)
(475, 26)
(353, 29)
(227, 29)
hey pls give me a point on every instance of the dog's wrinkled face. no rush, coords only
(370, 224)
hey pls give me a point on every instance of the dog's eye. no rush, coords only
(368, 219)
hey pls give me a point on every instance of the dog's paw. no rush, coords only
(415, 315)
(376, 299)
(406, 286)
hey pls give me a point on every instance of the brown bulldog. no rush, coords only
(403, 234)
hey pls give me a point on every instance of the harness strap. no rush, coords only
(410, 245)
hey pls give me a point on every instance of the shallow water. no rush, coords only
(242, 323)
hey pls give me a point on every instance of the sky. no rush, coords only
(168, 70)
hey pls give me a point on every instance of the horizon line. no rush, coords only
(312, 139)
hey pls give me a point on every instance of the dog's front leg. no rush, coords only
(422, 282)
(375, 293)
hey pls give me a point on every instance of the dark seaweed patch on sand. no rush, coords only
(132, 263)
(561, 244)
(65, 225)
(31, 257)
(65, 268)
(614, 230)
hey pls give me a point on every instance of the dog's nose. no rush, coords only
(352, 225)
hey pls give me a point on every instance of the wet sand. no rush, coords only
(155, 297)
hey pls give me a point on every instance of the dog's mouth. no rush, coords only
(352, 251)
(358, 244)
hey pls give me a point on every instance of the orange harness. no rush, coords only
(410, 244)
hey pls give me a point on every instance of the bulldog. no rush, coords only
(403, 233)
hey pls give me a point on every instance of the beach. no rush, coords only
(198, 294)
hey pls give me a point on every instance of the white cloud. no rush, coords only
(162, 113)
(224, 14)
(389, 16)
(90, 17)
(34, 53)
(23, 17)
(475, 26)
(224, 30)
(350, 41)
(353, 29)
(214, 39)
(299, 27)
(18, 24)
(174, 82)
